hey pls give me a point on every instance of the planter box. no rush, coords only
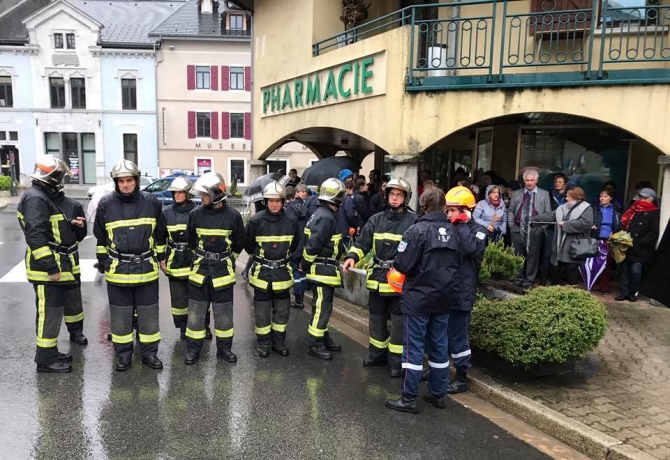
(354, 290)
(495, 365)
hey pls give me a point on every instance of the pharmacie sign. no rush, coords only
(361, 78)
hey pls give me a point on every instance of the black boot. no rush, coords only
(435, 401)
(330, 344)
(192, 357)
(264, 347)
(369, 362)
(278, 345)
(78, 337)
(403, 405)
(425, 374)
(319, 351)
(459, 384)
(153, 362)
(123, 363)
(227, 355)
(58, 367)
(396, 372)
(64, 357)
(298, 302)
(182, 333)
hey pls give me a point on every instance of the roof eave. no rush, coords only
(201, 37)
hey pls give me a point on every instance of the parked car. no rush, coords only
(144, 182)
(160, 187)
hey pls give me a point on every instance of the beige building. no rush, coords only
(578, 87)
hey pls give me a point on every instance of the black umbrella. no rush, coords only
(254, 192)
(327, 168)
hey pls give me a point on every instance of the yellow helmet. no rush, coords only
(460, 196)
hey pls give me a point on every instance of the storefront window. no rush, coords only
(88, 157)
(588, 156)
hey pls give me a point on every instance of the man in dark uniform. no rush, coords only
(177, 255)
(216, 235)
(460, 203)
(272, 237)
(320, 260)
(52, 226)
(130, 231)
(297, 206)
(381, 235)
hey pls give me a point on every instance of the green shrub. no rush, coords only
(5, 182)
(547, 325)
(500, 262)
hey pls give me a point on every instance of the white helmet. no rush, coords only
(182, 184)
(212, 184)
(51, 170)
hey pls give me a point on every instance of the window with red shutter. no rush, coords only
(190, 77)
(225, 78)
(247, 125)
(191, 125)
(215, 125)
(225, 125)
(215, 78)
(247, 78)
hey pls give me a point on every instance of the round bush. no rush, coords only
(547, 325)
(5, 182)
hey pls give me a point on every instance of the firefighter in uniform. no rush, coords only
(381, 235)
(460, 203)
(130, 231)
(216, 235)
(272, 236)
(320, 261)
(177, 255)
(53, 225)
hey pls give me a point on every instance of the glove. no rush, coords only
(101, 267)
(462, 217)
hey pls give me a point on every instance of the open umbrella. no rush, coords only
(327, 168)
(254, 192)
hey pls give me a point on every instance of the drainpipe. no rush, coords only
(452, 39)
(160, 38)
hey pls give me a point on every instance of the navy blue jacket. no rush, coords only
(472, 253)
(429, 256)
(298, 209)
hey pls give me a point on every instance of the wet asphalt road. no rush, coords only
(294, 407)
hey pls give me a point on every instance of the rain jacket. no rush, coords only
(472, 254)
(484, 212)
(217, 237)
(52, 241)
(381, 235)
(179, 257)
(271, 239)
(130, 232)
(643, 228)
(321, 253)
(298, 209)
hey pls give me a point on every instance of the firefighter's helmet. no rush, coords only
(125, 168)
(400, 184)
(274, 190)
(213, 185)
(182, 184)
(396, 280)
(460, 196)
(51, 170)
(332, 191)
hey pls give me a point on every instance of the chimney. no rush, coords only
(206, 6)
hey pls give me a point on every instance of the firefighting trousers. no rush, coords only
(322, 307)
(425, 334)
(272, 312)
(74, 310)
(384, 346)
(199, 300)
(50, 301)
(124, 301)
(459, 339)
(179, 302)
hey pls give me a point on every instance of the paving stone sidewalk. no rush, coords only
(623, 388)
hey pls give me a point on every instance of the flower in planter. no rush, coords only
(547, 325)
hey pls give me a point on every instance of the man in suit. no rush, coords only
(526, 202)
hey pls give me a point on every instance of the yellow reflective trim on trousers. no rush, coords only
(274, 239)
(279, 327)
(178, 272)
(317, 311)
(101, 250)
(179, 311)
(44, 276)
(315, 331)
(42, 252)
(128, 338)
(224, 334)
(263, 330)
(329, 280)
(41, 311)
(46, 343)
(176, 227)
(223, 280)
(396, 349)
(74, 318)
(212, 232)
(196, 335)
(258, 283)
(381, 345)
(282, 285)
(150, 338)
(358, 252)
(198, 279)
(131, 223)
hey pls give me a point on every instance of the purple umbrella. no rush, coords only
(594, 266)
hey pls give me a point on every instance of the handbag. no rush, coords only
(584, 248)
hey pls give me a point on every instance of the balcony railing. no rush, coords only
(477, 44)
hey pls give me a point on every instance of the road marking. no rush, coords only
(18, 273)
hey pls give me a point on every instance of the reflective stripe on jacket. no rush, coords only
(179, 262)
(322, 239)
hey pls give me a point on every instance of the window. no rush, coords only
(71, 156)
(236, 23)
(202, 77)
(130, 147)
(275, 165)
(57, 87)
(237, 172)
(237, 78)
(203, 120)
(635, 12)
(52, 143)
(70, 41)
(129, 94)
(3, 135)
(159, 186)
(88, 157)
(6, 97)
(13, 135)
(237, 125)
(78, 92)
(58, 41)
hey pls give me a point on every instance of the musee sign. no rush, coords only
(363, 77)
